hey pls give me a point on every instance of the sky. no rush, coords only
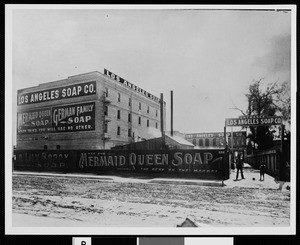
(207, 57)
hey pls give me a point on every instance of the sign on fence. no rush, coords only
(204, 164)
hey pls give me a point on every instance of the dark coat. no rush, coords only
(239, 163)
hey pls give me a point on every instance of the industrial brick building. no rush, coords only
(216, 140)
(87, 111)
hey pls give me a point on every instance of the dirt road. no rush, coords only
(109, 203)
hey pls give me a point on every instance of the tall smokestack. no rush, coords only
(162, 114)
(171, 112)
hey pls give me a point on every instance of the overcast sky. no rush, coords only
(207, 57)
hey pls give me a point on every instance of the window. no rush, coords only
(200, 142)
(45, 147)
(57, 147)
(132, 134)
(119, 97)
(129, 102)
(140, 106)
(119, 114)
(105, 110)
(106, 92)
(118, 130)
(129, 132)
(156, 113)
(129, 117)
(206, 142)
(140, 120)
(148, 109)
(194, 142)
(221, 141)
(214, 142)
(105, 128)
(147, 122)
(156, 125)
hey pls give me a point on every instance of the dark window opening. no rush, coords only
(105, 110)
(206, 142)
(129, 117)
(194, 142)
(118, 131)
(140, 120)
(45, 147)
(119, 97)
(147, 122)
(58, 147)
(200, 142)
(118, 114)
(129, 132)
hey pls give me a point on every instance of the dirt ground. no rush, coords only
(126, 204)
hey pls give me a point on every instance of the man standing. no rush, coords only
(262, 171)
(239, 166)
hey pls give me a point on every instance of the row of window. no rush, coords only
(206, 142)
(219, 142)
(129, 130)
(129, 117)
(130, 102)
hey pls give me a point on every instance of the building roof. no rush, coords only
(180, 140)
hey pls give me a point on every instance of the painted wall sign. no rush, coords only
(65, 92)
(201, 163)
(239, 139)
(214, 135)
(49, 160)
(130, 85)
(69, 118)
(254, 121)
(34, 121)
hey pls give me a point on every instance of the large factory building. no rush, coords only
(87, 111)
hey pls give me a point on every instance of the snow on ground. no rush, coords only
(81, 200)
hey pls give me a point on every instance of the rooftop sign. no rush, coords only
(253, 121)
(130, 85)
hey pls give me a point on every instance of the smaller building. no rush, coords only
(216, 140)
(160, 143)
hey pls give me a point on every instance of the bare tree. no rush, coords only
(275, 99)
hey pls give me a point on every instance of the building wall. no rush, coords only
(105, 99)
(216, 139)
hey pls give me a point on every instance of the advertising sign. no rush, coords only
(211, 164)
(34, 121)
(59, 93)
(50, 160)
(130, 85)
(69, 118)
(214, 135)
(253, 121)
(199, 162)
